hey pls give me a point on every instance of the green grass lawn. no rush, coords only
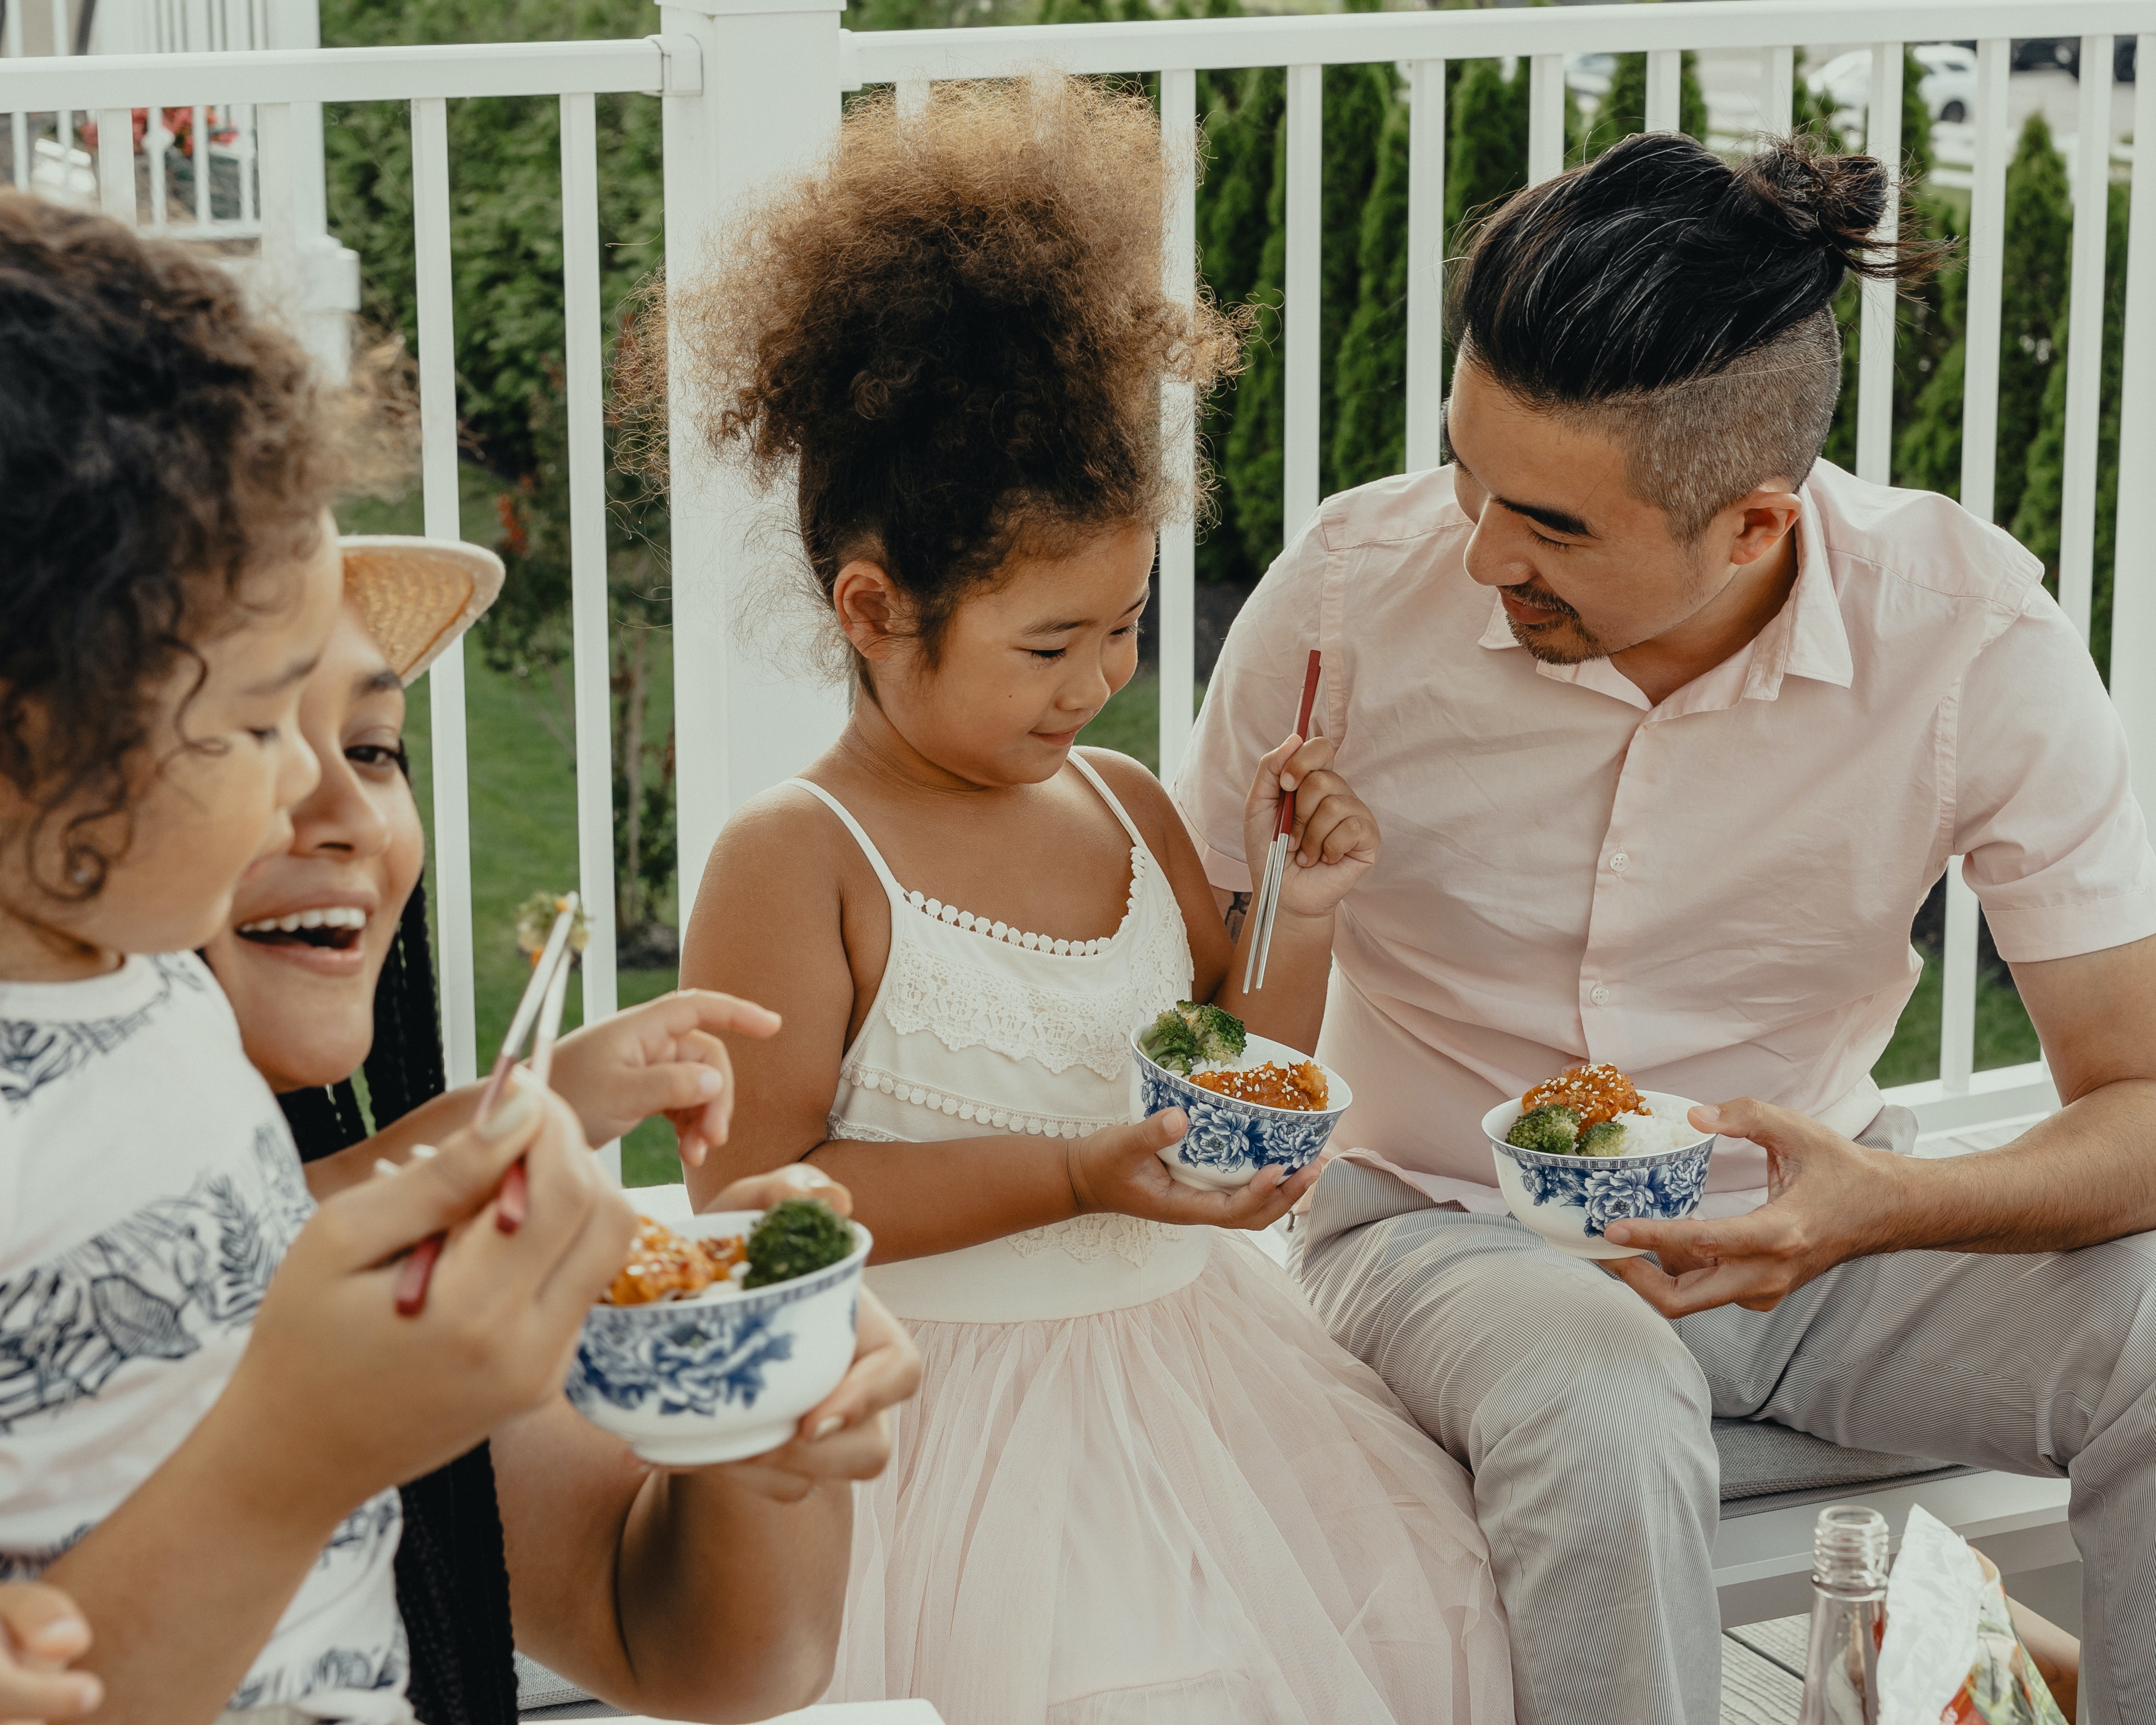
(523, 815)
(1130, 723)
(2005, 1037)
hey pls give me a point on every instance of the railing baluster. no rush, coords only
(204, 207)
(1987, 259)
(19, 123)
(588, 563)
(248, 155)
(1665, 81)
(1547, 96)
(1425, 378)
(1306, 165)
(1177, 656)
(63, 120)
(1875, 381)
(2085, 333)
(281, 206)
(1958, 996)
(1778, 80)
(2134, 582)
(155, 141)
(438, 427)
(116, 164)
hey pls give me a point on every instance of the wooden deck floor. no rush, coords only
(1762, 1672)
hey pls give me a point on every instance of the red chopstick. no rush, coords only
(1286, 823)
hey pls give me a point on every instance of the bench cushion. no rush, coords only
(1768, 1466)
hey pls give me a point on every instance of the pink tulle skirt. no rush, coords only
(1199, 1511)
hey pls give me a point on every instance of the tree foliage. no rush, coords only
(1623, 110)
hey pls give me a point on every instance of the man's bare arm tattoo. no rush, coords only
(1239, 907)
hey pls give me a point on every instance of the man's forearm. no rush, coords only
(730, 1602)
(185, 1582)
(2085, 1174)
(1291, 1008)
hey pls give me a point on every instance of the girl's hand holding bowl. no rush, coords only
(728, 1373)
(1231, 1143)
(1122, 1170)
(847, 1435)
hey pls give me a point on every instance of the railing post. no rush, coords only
(2134, 589)
(2085, 332)
(1425, 380)
(747, 712)
(325, 284)
(1178, 552)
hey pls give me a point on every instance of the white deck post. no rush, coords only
(326, 283)
(747, 713)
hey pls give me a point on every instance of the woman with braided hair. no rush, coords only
(628, 1580)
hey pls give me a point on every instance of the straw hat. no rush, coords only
(416, 596)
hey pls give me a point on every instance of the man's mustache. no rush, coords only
(1528, 595)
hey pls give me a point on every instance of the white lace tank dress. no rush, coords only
(1140, 1486)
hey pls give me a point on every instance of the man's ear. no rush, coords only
(1761, 520)
(871, 609)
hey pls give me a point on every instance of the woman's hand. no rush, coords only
(663, 1057)
(357, 1397)
(1118, 1170)
(847, 1435)
(1334, 835)
(41, 1632)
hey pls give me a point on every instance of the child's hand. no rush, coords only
(797, 1179)
(351, 1396)
(663, 1057)
(41, 1630)
(1118, 1170)
(847, 1435)
(1334, 835)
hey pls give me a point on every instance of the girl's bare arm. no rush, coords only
(775, 921)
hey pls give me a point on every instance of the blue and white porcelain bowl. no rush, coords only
(1570, 1199)
(1229, 1140)
(725, 1374)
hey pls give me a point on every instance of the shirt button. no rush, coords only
(1598, 994)
(1620, 862)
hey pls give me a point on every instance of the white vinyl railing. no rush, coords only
(752, 89)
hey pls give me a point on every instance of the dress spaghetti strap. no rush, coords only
(1108, 797)
(868, 850)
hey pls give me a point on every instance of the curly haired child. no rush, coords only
(201, 1455)
(1141, 1483)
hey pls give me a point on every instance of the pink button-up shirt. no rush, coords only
(1715, 893)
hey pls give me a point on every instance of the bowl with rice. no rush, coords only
(1252, 1102)
(1586, 1148)
(722, 1330)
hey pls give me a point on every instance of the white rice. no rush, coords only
(1651, 1134)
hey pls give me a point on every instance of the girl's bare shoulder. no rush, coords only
(785, 839)
(1144, 796)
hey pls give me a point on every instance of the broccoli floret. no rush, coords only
(1171, 1043)
(1549, 1128)
(1220, 1033)
(1605, 1137)
(1188, 1033)
(795, 1238)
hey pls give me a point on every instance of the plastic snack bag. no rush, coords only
(1950, 1656)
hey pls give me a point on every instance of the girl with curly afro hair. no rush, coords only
(1141, 1482)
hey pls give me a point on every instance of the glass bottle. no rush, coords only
(1849, 1614)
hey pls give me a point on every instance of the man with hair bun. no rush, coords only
(1671, 798)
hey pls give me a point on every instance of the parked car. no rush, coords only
(1949, 86)
(2041, 54)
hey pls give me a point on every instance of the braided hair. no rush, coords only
(452, 1579)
